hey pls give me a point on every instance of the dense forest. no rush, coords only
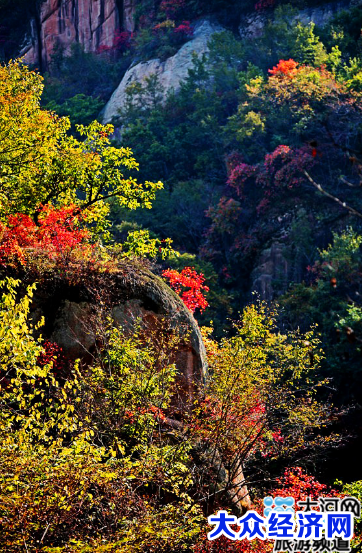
(162, 163)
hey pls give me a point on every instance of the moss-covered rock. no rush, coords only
(73, 306)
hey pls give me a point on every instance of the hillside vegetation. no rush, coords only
(242, 191)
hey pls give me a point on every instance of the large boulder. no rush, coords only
(71, 309)
(170, 73)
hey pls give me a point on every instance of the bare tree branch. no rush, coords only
(331, 197)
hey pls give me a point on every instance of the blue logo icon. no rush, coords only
(278, 505)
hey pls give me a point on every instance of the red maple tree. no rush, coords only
(56, 234)
(193, 298)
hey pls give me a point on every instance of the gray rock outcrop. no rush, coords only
(170, 73)
(271, 275)
(252, 25)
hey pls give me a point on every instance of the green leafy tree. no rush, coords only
(80, 108)
(333, 301)
(307, 47)
(41, 163)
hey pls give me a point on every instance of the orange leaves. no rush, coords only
(155, 412)
(285, 67)
(188, 278)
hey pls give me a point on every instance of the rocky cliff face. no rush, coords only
(271, 272)
(252, 25)
(91, 23)
(170, 73)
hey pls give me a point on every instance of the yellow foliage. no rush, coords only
(41, 163)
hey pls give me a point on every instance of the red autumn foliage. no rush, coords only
(238, 176)
(212, 415)
(223, 545)
(122, 41)
(155, 412)
(225, 216)
(294, 483)
(56, 234)
(103, 49)
(184, 29)
(188, 278)
(285, 167)
(52, 353)
(297, 483)
(280, 152)
(285, 67)
(282, 169)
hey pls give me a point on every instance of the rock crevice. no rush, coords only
(91, 23)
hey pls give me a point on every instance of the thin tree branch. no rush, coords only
(331, 197)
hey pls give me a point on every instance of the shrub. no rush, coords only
(188, 278)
